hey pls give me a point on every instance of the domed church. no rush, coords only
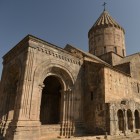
(49, 91)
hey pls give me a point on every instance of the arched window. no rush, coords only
(123, 52)
(115, 49)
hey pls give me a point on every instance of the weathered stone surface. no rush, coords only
(49, 92)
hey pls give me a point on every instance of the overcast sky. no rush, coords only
(64, 22)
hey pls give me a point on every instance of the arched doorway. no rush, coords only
(129, 120)
(137, 119)
(51, 101)
(120, 120)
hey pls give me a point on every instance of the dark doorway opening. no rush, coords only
(137, 119)
(129, 120)
(120, 120)
(51, 101)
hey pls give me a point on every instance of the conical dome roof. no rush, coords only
(105, 20)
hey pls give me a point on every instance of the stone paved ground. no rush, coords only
(128, 137)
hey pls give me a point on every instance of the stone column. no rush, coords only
(133, 122)
(63, 113)
(113, 121)
(62, 105)
(67, 119)
(40, 88)
(72, 114)
(71, 125)
(116, 123)
(125, 121)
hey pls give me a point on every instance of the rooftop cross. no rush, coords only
(104, 5)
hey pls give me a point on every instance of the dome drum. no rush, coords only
(106, 35)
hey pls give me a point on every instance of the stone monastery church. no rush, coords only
(47, 90)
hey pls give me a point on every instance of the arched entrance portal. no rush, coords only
(120, 120)
(137, 119)
(129, 120)
(51, 101)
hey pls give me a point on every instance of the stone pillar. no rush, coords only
(67, 119)
(63, 113)
(71, 113)
(133, 122)
(113, 121)
(40, 88)
(125, 121)
(25, 90)
(62, 105)
(116, 123)
(22, 127)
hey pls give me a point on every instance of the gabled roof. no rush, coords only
(86, 54)
(128, 58)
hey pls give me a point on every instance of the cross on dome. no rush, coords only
(104, 5)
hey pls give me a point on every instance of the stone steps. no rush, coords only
(51, 131)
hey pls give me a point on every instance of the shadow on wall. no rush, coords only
(9, 96)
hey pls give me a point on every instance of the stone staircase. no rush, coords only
(132, 136)
(49, 132)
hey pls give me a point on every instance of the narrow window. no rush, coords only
(123, 52)
(91, 94)
(104, 49)
(138, 88)
(115, 49)
(101, 107)
(95, 52)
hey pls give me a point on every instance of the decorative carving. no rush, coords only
(60, 55)
(76, 53)
(41, 86)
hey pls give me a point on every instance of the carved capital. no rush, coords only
(41, 86)
(69, 89)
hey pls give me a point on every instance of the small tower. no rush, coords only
(105, 36)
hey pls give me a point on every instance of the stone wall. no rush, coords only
(105, 40)
(111, 58)
(135, 67)
(119, 86)
(94, 107)
(12, 76)
(121, 94)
